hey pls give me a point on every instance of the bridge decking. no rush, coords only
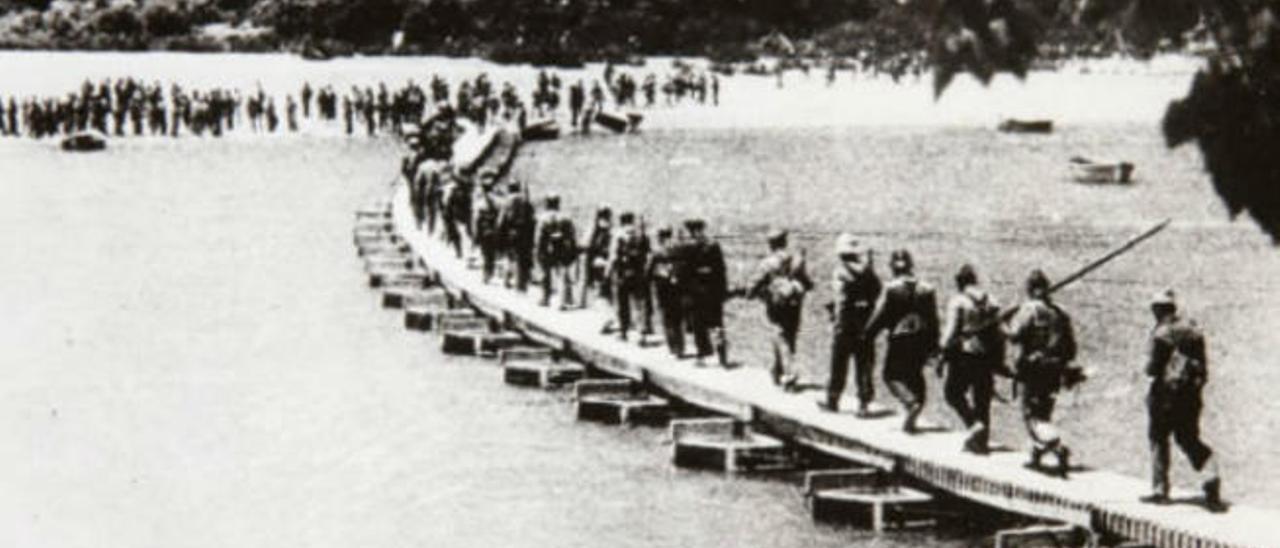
(1101, 500)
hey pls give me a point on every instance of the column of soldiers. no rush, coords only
(683, 277)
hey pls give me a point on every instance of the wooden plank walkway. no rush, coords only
(1100, 500)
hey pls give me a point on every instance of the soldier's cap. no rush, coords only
(513, 186)
(552, 201)
(1164, 298)
(694, 225)
(604, 212)
(488, 174)
(776, 235)
(627, 218)
(665, 232)
(900, 261)
(847, 246)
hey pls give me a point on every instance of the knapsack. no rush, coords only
(784, 288)
(910, 324)
(980, 335)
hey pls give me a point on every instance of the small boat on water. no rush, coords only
(1025, 126)
(1084, 170)
(84, 141)
(542, 130)
(619, 123)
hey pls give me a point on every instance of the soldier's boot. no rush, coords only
(1064, 461)
(1213, 495)
(976, 442)
(1037, 455)
(913, 416)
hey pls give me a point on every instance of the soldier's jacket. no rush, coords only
(701, 272)
(1177, 359)
(661, 270)
(1044, 334)
(908, 310)
(486, 220)
(856, 292)
(518, 223)
(628, 253)
(557, 241)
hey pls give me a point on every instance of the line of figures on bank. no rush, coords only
(130, 107)
(683, 277)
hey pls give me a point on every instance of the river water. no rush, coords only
(192, 358)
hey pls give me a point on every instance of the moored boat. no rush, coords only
(1026, 126)
(619, 123)
(84, 141)
(542, 130)
(1084, 170)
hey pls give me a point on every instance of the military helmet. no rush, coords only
(966, 276)
(1037, 282)
(900, 261)
(1165, 299)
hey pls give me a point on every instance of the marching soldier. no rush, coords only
(557, 252)
(486, 220)
(628, 257)
(704, 288)
(908, 311)
(781, 284)
(1178, 366)
(597, 256)
(518, 225)
(973, 349)
(1047, 345)
(457, 212)
(662, 278)
(856, 288)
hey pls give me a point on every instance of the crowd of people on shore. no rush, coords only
(128, 106)
(678, 280)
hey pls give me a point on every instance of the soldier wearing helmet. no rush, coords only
(1178, 366)
(781, 283)
(973, 350)
(1047, 345)
(908, 312)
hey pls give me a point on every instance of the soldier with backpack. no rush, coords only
(781, 284)
(661, 274)
(486, 226)
(1047, 345)
(517, 224)
(1178, 366)
(628, 257)
(856, 289)
(597, 256)
(908, 311)
(457, 213)
(973, 350)
(557, 252)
